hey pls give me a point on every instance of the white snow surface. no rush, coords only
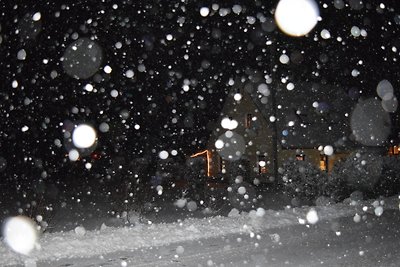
(54, 246)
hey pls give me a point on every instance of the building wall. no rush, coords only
(258, 137)
(311, 155)
(335, 158)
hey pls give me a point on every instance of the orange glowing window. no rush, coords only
(394, 150)
(323, 163)
(262, 165)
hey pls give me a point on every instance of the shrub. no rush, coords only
(337, 187)
(196, 176)
(303, 181)
(360, 171)
(241, 191)
(242, 196)
(389, 183)
(238, 169)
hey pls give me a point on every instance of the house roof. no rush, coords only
(311, 115)
(308, 116)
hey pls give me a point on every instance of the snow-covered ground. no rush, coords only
(82, 243)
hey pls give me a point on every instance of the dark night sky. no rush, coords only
(218, 48)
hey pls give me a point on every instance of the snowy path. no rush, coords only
(374, 242)
(281, 235)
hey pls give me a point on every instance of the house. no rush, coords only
(264, 124)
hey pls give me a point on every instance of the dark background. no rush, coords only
(219, 48)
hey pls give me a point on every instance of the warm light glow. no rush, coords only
(208, 157)
(322, 163)
(394, 150)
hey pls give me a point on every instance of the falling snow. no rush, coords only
(210, 134)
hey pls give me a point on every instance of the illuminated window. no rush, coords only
(262, 165)
(248, 120)
(300, 157)
(323, 162)
(394, 151)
